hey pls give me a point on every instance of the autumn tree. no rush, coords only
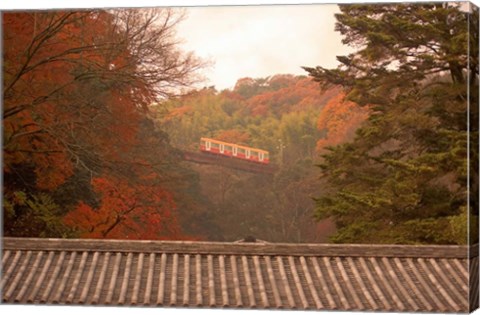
(77, 86)
(404, 177)
(126, 211)
(339, 119)
(281, 94)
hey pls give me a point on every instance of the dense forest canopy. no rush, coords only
(100, 109)
(81, 155)
(404, 177)
(93, 130)
(285, 114)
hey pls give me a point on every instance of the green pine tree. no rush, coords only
(404, 177)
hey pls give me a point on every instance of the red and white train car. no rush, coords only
(234, 150)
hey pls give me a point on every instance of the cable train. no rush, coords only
(208, 145)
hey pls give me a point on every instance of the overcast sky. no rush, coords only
(244, 41)
(259, 41)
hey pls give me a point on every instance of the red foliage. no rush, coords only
(57, 99)
(232, 95)
(73, 99)
(288, 94)
(126, 211)
(340, 118)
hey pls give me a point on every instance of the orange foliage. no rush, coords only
(233, 136)
(340, 118)
(57, 103)
(76, 91)
(292, 94)
(232, 95)
(126, 211)
(178, 112)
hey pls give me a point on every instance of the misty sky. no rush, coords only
(259, 41)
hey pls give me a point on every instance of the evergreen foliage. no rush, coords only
(404, 177)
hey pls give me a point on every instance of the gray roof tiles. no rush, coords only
(247, 275)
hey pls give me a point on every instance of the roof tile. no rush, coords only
(320, 277)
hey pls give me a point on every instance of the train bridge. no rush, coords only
(229, 162)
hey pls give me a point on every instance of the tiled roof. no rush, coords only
(240, 275)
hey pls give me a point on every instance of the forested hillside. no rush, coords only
(292, 118)
(87, 153)
(102, 110)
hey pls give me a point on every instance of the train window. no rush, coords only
(254, 153)
(228, 148)
(215, 145)
(241, 150)
(202, 142)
